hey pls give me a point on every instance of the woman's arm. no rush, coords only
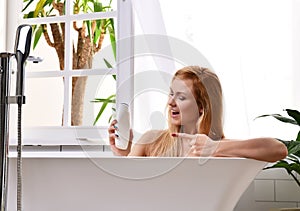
(138, 150)
(264, 149)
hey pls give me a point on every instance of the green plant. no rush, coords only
(91, 34)
(292, 162)
(105, 101)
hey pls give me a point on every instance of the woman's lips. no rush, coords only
(175, 114)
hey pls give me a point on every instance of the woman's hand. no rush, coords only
(200, 144)
(112, 140)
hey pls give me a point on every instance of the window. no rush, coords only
(52, 109)
(241, 47)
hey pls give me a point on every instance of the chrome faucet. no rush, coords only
(22, 49)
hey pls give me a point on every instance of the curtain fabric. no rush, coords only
(156, 58)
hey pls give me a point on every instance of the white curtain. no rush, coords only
(153, 65)
(157, 56)
(252, 47)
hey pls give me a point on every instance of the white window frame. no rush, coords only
(83, 135)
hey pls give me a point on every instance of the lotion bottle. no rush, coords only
(123, 126)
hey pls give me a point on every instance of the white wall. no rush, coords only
(3, 26)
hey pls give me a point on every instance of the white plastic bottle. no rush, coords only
(123, 126)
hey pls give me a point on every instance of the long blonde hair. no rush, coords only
(207, 91)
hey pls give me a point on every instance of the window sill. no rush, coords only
(62, 142)
(62, 151)
(62, 136)
(61, 155)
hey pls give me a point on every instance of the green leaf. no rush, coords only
(112, 37)
(293, 158)
(39, 7)
(37, 35)
(98, 24)
(280, 118)
(89, 27)
(298, 137)
(29, 15)
(102, 100)
(295, 114)
(84, 5)
(105, 103)
(49, 2)
(293, 146)
(97, 35)
(97, 7)
(295, 167)
(280, 164)
(100, 113)
(107, 63)
(27, 5)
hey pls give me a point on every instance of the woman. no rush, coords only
(195, 124)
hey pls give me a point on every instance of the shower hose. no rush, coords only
(19, 160)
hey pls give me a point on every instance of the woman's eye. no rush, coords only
(181, 98)
(171, 94)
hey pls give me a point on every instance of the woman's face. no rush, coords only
(182, 104)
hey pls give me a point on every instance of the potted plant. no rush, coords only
(292, 162)
(91, 34)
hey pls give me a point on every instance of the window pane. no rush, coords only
(94, 6)
(48, 54)
(44, 102)
(98, 87)
(91, 38)
(48, 9)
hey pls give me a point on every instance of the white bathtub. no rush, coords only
(133, 184)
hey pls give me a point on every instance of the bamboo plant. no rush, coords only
(91, 34)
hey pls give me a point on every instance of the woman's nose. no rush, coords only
(171, 101)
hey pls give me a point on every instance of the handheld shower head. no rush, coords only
(23, 40)
(22, 49)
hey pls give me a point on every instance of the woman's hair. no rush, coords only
(208, 96)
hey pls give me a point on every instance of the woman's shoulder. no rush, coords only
(150, 136)
(154, 132)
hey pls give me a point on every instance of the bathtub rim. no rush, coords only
(108, 155)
